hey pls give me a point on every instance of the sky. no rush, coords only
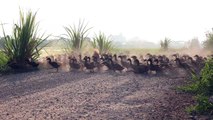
(150, 20)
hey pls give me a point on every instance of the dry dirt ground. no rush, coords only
(45, 94)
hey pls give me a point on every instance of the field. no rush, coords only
(88, 50)
(45, 94)
(99, 78)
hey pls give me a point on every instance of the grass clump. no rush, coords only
(24, 43)
(75, 37)
(102, 43)
(3, 62)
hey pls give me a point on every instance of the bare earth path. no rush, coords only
(93, 96)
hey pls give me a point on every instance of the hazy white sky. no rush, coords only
(151, 20)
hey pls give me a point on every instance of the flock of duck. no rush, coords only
(139, 65)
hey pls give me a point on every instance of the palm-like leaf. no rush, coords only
(102, 43)
(75, 36)
(24, 43)
(3, 62)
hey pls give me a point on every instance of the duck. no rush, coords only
(88, 65)
(116, 66)
(124, 63)
(53, 64)
(14, 65)
(95, 59)
(200, 61)
(115, 58)
(104, 57)
(137, 67)
(32, 63)
(73, 63)
(108, 65)
(184, 65)
(176, 55)
(194, 65)
(135, 60)
(193, 62)
(154, 67)
(98, 62)
(163, 61)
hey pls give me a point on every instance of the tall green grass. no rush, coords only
(3, 61)
(24, 42)
(102, 43)
(75, 37)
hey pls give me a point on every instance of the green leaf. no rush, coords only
(24, 43)
(75, 36)
(102, 43)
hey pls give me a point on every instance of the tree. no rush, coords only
(165, 44)
(194, 43)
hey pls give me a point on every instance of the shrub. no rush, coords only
(24, 43)
(3, 62)
(75, 37)
(102, 43)
(202, 87)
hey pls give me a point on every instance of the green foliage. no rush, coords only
(207, 78)
(208, 44)
(24, 43)
(76, 36)
(165, 44)
(1, 42)
(3, 61)
(102, 43)
(203, 104)
(203, 88)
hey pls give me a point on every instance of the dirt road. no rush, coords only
(75, 95)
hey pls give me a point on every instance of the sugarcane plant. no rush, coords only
(3, 61)
(24, 43)
(75, 37)
(165, 44)
(102, 43)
